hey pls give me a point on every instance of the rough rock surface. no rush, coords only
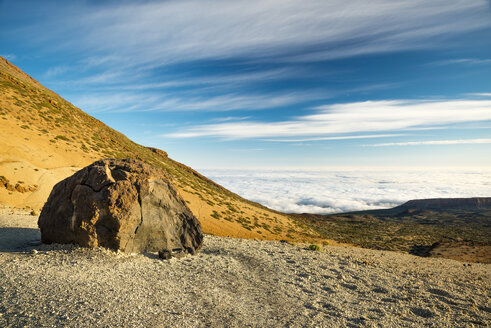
(123, 205)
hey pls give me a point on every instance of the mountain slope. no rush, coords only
(44, 138)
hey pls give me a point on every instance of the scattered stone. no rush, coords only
(315, 247)
(158, 151)
(20, 188)
(178, 252)
(124, 205)
(53, 102)
(32, 188)
(165, 254)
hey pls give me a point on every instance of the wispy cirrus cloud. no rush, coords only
(480, 94)
(10, 57)
(231, 80)
(113, 81)
(434, 142)
(468, 61)
(351, 118)
(126, 102)
(363, 136)
(159, 33)
(55, 71)
(117, 79)
(230, 118)
(211, 96)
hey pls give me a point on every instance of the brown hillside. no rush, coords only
(44, 138)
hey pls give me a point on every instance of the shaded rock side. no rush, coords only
(124, 205)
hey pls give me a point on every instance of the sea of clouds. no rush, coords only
(342, 190)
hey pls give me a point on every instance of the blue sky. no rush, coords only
(271, 84)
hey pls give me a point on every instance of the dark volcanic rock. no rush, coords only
(119, 204)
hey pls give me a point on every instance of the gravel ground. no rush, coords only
(232, 283)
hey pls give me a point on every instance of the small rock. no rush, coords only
(20, 188)
(32, 188)
(165, 254)
(9, 187)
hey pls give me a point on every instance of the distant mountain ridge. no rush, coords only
(476, 203)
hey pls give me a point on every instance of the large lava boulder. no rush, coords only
(124, 205)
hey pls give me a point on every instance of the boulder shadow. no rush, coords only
(18, 240)
(422, 250)
(151, 255)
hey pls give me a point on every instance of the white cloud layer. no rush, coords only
(368, 116)
(335, 191)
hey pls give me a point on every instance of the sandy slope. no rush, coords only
(34, 161)
(231, 283)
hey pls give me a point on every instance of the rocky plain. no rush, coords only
(231, 283)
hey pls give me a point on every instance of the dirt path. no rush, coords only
(232, 283)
